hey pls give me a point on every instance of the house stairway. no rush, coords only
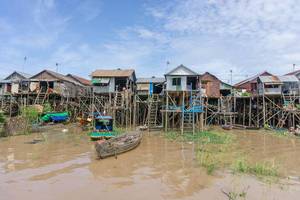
(189, 114)
(119, 100)
(40, 98)
(187, 121)
(153, 121)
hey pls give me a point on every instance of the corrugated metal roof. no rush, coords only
(288, 78)
(152, 79)
(58, 76)
(270, 79)
(5, 81)
(182, 70)
(251, 79)
(113, 73)
(294, 72)
(80, 79)
(26, 75)
(21, 74)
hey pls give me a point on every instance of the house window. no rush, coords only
(176, 81)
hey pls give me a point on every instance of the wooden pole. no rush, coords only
(182, 112)
(250, 110)
(10, 106)
(206, 109)
(134, 111)
(244, 111)
(264, 110)
(257, 110)
(166, 112)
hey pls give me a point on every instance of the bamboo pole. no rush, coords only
(182, 112)
(250, 110)
(244, 112)
(134, 111)
(166, 112)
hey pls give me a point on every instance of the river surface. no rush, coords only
(64, 166)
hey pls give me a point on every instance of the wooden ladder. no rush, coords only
(152, 113)
(119, 100)
(187, 121)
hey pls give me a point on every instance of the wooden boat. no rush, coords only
(252, 128)
(118, 145)
(103, 128)
(227, 127)
(242, 127)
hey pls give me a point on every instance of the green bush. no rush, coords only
(2, 117)
(47, 108)
(31, 114)
(246, 94)
(207, 137)
(258, 169)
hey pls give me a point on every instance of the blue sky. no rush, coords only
(246, 36)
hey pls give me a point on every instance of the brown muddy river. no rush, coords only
(65, 166)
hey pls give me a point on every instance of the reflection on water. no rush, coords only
(157, 169)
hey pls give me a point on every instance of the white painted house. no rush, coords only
(181, 79)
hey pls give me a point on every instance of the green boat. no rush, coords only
(103, 128)
(55, 117)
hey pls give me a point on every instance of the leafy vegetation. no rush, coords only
(31, 114)
(214, 152)
(2, 117)
(258, 169)
(118, 131)
(232, 195)
(205, 137)
(47, 108)
(208, 160)
(213, 146)
(246, 94)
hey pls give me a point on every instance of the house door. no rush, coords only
(8, 88)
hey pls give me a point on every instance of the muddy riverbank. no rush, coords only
(63, 165)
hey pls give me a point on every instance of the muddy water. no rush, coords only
(260, 146)
(64, 165)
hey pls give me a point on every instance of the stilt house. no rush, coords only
(181, 79)
(149, 86)
(269, 85)
(213, 87)
(111, 81)
(183, 100)
(278, 85)
(250, 84)
(86, 88)
(15, 83)
(290, 84)
(49, 82)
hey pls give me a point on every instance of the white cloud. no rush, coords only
(207, 35)
(245, 36)
(89, 9)
(249, 18)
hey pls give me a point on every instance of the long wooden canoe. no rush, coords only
(227, 127)
(118, 145)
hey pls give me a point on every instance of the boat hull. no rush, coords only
(118, 145)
